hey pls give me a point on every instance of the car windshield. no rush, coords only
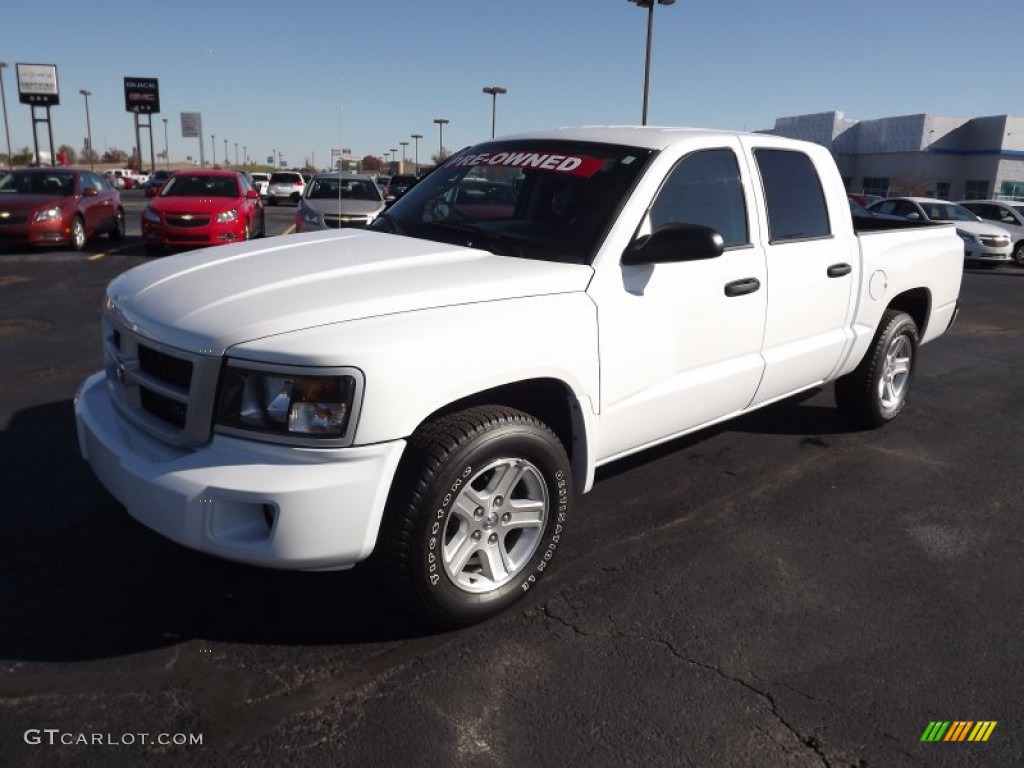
(540, 199)
(194, 185)
(947, 212)
(333, 188)
(19, 183)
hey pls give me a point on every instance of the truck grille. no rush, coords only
(167, 392)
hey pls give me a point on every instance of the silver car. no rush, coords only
(333, 200)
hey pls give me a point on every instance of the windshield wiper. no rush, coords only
(479, 238)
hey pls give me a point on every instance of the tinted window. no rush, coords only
(704, 188)
(793, 195)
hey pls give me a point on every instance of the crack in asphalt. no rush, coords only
(810, 742)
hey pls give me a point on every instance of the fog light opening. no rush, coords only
(269, 516)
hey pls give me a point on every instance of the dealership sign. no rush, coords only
(141, 94)
(191, 125)
(37, 84)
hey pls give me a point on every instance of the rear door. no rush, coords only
(813, 262)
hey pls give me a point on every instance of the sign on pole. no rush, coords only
(190, 122)
(141, 94)
(37, 84)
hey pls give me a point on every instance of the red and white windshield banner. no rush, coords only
(574, 165)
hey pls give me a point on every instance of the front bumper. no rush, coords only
(242, 500)
(979, 252)
(213, 233)
(51, 232)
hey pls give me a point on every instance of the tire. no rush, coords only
(476, 512)
(246, 234)
(875, 392)
(1018, 253)
(76, 238)
(117, 231)
(152, 249)
(263, 225)
(272, 201)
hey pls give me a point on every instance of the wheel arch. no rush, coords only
(550, 400)
(916, 302)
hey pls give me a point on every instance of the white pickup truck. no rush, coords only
(431, 394)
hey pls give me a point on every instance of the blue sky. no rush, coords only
(308, 76)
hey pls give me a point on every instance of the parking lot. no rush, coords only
(778, 590)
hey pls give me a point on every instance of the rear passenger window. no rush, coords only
(793, 196)
(704, 188)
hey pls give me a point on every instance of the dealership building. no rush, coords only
(952, 158)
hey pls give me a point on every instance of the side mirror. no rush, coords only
(913, 216)
(90, 192)
(675, 242)
(252, 194)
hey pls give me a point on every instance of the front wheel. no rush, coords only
(875, 392)
(1018, 253)
(76, 237)
(477, 509)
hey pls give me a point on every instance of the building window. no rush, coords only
(1011, 190)
(942, 190)
(876, 185)
(976, 190)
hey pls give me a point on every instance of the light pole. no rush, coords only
(393, 151)
(236, 153)
(494, 91)
(441, 123)
(167, 150)
(417, 137)
(226, 161)
(403, 145)
(245, 153)
(7, 127)
(88, 126)
(213, 143)
(649, 5)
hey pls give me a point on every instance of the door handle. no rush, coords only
(742, 287)
(839, 270)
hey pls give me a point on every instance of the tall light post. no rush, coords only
(7, 127)
(213, 143)
(88, 126)
(226, 160)
(441, 123)
(649, 5)
(245, 153)
(403, 145)
(167, 149)
(417, 137)
(236, 153)
(393, 150)
(494, 91)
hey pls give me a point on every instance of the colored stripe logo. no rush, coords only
(958, 730)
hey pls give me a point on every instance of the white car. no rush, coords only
(983, 242)
(285, 186)
(261, 181)
(1008, 215)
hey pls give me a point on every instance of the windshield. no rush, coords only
(54, 183)
(947, 212)
(333, 188)
(192, 185)
(540, 199)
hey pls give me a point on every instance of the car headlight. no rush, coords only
(48, 213)
(966, 236)
(227, 216)
(150, 215)
(309, 216)
(285, 404)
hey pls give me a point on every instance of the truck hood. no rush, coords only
(206, 301)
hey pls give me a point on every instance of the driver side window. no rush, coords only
(705, 188)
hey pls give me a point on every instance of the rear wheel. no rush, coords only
(76, 238)
(263, 225)
(875, 392)
(476, 512)
(117, 230)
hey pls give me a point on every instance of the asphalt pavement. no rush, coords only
(776, 591)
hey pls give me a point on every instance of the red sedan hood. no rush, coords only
(194, 204)
(31, 202)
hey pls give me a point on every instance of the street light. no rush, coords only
(393, 151)
(7, 127)
(494, 91)
(236, 153)
(245, 153)
(441, 123)
(213, 143)
(403, 145)
(226, 161)
(417, 137)
(167, 151)
(88, 126)
(649, 5)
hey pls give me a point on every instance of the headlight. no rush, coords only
(309, 216)
(283, 403)
(226, 216)
(966, 236)
(150, 215)
(48, 214)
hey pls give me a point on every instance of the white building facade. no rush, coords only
(929, 155)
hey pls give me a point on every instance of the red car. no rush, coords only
(197, 208)
(58, 206)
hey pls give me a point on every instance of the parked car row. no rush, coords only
(992, 230)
